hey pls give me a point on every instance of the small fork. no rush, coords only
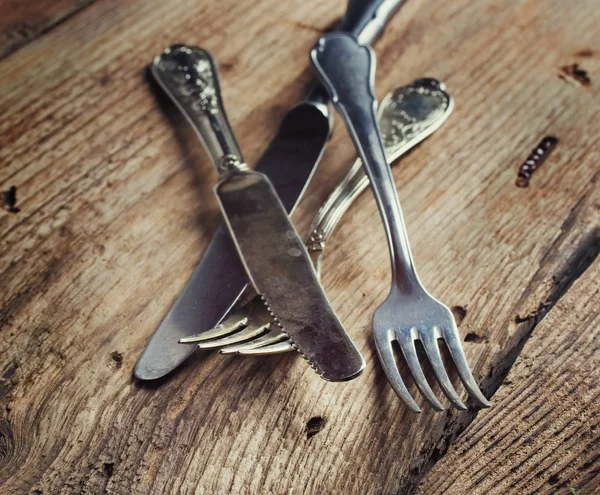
(409, 313)
(407, 116)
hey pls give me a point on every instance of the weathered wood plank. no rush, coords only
(22, 21)
(527, 445)
(113, 219)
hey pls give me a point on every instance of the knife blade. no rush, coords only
(281, 271)
(274, 256)
(220, 278)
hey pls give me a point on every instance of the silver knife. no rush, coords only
(220, 278)
(274, 256)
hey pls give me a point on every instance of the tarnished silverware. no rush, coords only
(274, 256)
(218, 281)
(407, 116)
(409, 313)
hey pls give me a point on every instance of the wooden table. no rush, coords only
(107, 208)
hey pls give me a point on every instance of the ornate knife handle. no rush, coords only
(406, 117)
(189, 76)
(347, 70)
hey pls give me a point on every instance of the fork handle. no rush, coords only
(332, 211)
(347, 69)
(366, 19)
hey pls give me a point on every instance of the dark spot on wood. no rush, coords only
(8, 200)
(535, 160)
(314, 426)
(474, 337)
(438, 453)
(7, 442)
(10, 371)
(25, 30)
(459, 313)
(576, 74)
(553, 479)
(117, 359)
(226, 66)
(57, 352)
(586, 52)
(108, 469)
(105, 80)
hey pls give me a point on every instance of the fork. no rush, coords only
(409, 313)
(407, 116)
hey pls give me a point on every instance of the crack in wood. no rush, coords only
(570, 271)
(220, 424)
(22, 31)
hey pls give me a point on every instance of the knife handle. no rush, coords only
(189, 76)
(366, 19)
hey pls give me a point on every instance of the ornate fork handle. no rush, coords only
(401, 129)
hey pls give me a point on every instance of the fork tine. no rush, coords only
(386, 355)
(407, 345)
(228, 326)
(429, 341)
(272, 337)
(252, 330)
(284, 346)
(452, 339)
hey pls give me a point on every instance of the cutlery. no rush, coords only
(347, 69)
(407, 116)
(220, 279)
(272, 252)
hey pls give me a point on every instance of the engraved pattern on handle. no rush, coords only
(347, 70)
(190, 77)
(406, 116)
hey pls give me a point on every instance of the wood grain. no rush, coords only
(22, 21)
(527, 445)
(115, 208)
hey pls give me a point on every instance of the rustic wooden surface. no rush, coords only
(529, 445)
(24, 20)
(113, 209)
